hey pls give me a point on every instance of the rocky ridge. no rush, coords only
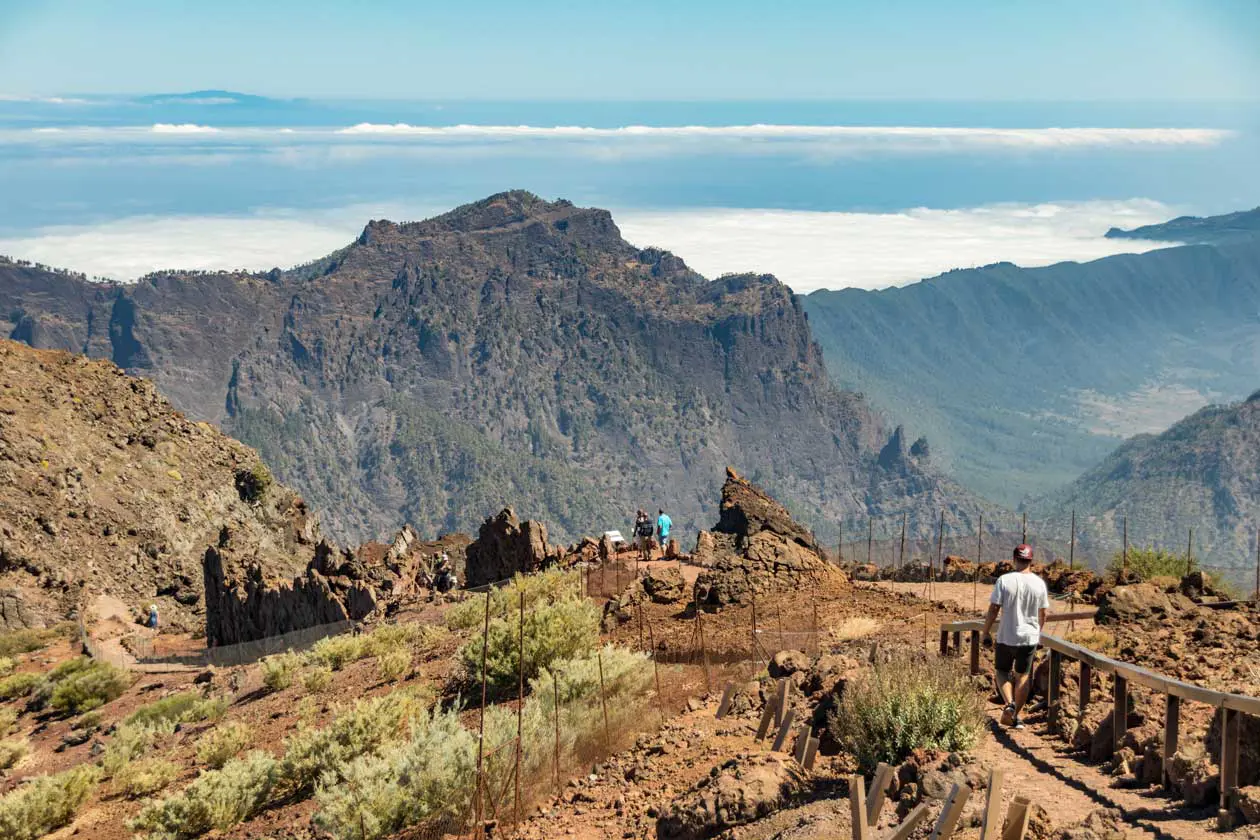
(511, 351)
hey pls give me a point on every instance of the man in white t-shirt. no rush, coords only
(1022, 599)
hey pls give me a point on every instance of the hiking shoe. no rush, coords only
(1017, 723)
(1008, 714)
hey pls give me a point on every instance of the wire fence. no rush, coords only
(880, 542)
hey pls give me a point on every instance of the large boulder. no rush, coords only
(755, 547)
(1139, 602)
(738, 792)
(504, 547)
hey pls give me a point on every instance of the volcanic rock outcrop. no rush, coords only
(338, 585)
(756, 546)
(505, 546)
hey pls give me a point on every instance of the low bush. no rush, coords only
(217, 799)
(185, 707)
(892, 710)
(145, 778)
(337, 652)
(364, 729)
(130, 742)
(545, 587)
(223, 743)
(19, 685)
(46, 803)
(8, 720)
(566, 629)
(278, 671)
(89, 721)
(12, 751)
(1147, 563)
(86, 686)
(6, 666)
(392, 665)
(427, 779)
(27, 641)
(317, 679)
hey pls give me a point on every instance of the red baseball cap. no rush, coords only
(1023, 551)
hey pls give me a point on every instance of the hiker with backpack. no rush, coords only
(663, 526)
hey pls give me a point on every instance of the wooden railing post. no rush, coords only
(1172, 725)
(1087, 678)
(1229, 768)
(975, 652)
(957, 643)
(1052, 690)
(1120, 711)
(944, 643)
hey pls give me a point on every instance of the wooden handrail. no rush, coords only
(1133, 673)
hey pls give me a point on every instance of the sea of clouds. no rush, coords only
(807, 250)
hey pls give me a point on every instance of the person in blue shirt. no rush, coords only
(663, 524)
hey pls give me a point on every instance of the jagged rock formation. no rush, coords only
(504, 547)
(755, 547)
(338, 585)
(106, 489)
(511, 351)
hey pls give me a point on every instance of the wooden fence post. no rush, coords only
(768, 715)
(1229, 768)
(857, 808)
(1087, 676)
(1172, 727)
(950, 814)
(1052, 690)
(725, 704)
(784, 729)
(911, 822)
(1017, 819)
(1120, 711)
(802, 743)
(975, 652)
(879, 790)
(992, 822)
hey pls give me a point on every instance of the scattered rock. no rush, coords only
(735, 793)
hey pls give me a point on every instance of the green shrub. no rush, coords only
(12, 751)
(392, 665)
(8, 720)
(28, 641)
(566, 629)
(89, 721)
(895, 709)
(216, 799)
(6, 666)
(363, 729)
(223, 743)
(339, 651)
(87, 687)
(45, 804)
(252, 484)
(545, 587)
(129, 742)
(19, 685)
(1147, 563)
(145, 778)
(278, 671)
(317, 679)
(427, 779)
(185, 707)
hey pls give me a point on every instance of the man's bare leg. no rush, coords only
(1007, 690)
(1023, 684)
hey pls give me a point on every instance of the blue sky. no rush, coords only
(646, 49)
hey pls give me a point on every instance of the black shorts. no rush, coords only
(1018, 658)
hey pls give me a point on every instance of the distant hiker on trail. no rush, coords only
(1022, 599)
(444, 577)
(153, 617)
(642, 530)
(663, 524)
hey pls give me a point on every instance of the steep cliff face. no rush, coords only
(514, 351)
(106, 489)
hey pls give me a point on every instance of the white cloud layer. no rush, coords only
(827, 250)
(807, 250)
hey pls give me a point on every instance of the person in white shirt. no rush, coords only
(1022, 599)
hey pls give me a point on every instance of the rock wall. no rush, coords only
(505, 546)
(338, 585)
(755, 547)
